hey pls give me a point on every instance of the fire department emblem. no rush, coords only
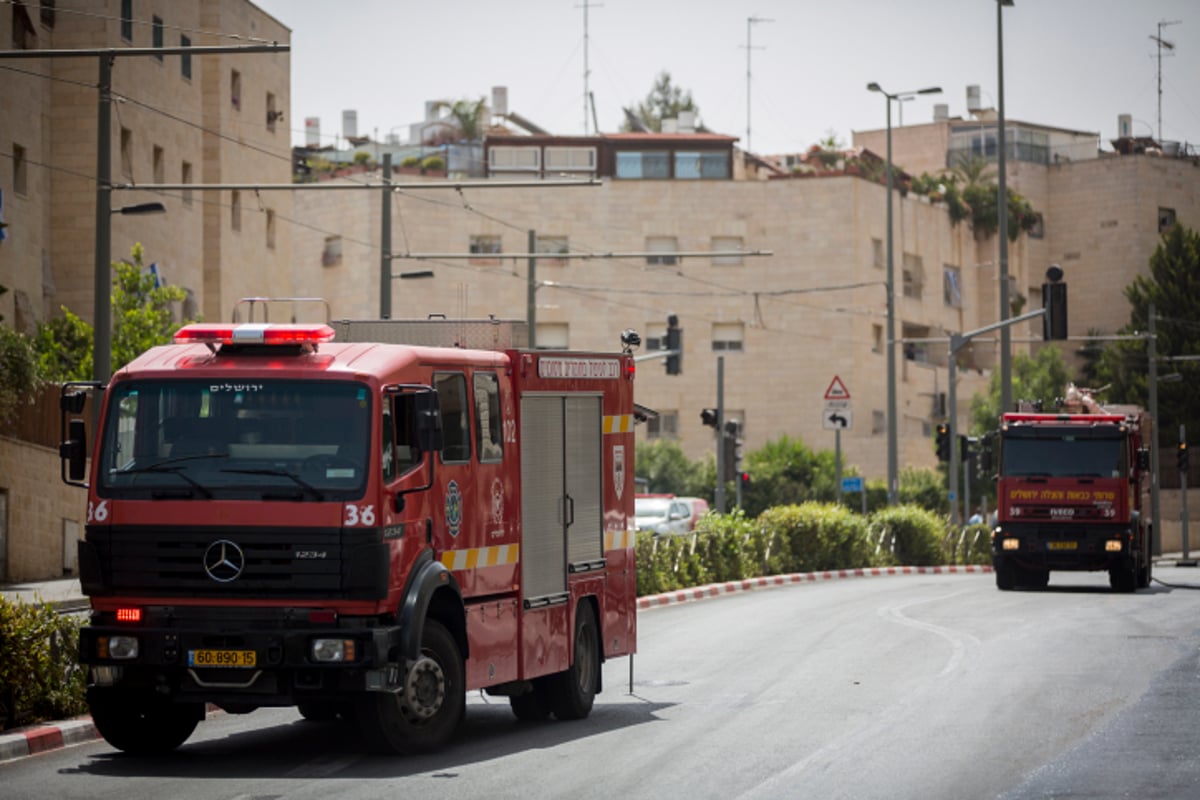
(497, 502)
(619, 469)
(454, 508)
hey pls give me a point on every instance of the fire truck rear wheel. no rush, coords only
(143, 726)
(424, 715)
(534, 705)
(1123, 577)
(572, 692)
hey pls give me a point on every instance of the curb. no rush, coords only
(719, 589)
(50, 736)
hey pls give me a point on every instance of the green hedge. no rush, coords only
(39, 676)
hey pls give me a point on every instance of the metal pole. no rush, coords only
(837, 463)
(531, 292)
(102, 301)
(1155, 515)
(1183, 516)
(951, 419)
(1005, 337)
(720, 494)
(385, 242)
(893, 465)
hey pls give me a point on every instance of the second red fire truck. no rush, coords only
(355, 527)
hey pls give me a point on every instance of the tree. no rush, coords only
(1040, 378)
(970, 192)
(142, 318)
(668, 471)
(1173, 286)
(468, 121)
(664, 101)
(19, 376)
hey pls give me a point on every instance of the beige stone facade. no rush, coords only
(174, 121)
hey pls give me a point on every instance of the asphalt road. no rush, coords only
(918, 686)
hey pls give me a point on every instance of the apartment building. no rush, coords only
(175, 119)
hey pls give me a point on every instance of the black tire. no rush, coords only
(573, 691)
(423, 717)
(143, 725)
(1037, 578)
(1146, 573)
(1006, 577)
(1123, 578)
(533, 706)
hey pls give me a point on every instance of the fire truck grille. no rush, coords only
(259, 562)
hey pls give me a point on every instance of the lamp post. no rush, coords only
(893, 467)
(1002, 190)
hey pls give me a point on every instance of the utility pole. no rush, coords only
(385, 242)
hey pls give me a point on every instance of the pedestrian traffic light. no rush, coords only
(964, 448)
(744, 479)
(709, 417)
(1182, 455)
(1054, 300)
(674, 346)
(943, 442)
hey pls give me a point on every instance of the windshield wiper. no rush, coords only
(282, 473)
(169, 469)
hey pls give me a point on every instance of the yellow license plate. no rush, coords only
(221, 658)
(1062, 545)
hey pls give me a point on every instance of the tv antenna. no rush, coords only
(750, 22)
(1170, 46)
(586, 70)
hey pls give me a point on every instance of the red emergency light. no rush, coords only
(253, 333)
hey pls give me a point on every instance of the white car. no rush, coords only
(661, 515)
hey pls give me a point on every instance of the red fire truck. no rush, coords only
(358, 528)
(1070, 493)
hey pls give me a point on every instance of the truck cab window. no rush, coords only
(453, 406)
(488, 437)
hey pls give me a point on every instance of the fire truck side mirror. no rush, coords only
(428, 421)
(74, 450)
(72, 402)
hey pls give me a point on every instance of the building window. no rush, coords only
(876, 338)
(331, 256)
(663, 426)
(728, 336)
(489, 443)
(877, 254)
(24, 37)
(485, 245)
(570, 159)
(186, 177)
(1039, 226)
(662, 244)
(127, 152)
(556, 245)
(694, 166)
(235, 90)
(160, 173)
(656, 336)
(1166, 218)
(235, 210)
(47, 7)
(20, 170)
(525, 159)
(553, 336)
(878, 422)
(726, 243)
(951, 286)
(914, 276)
(156, 35)
(272, 113)
(270, 229)
(185, 59)
(127, 20)
(636, 165)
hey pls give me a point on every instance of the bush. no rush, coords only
(434, 164)
(814, 537)
(911, 535)
(410, 161)
(39, 676)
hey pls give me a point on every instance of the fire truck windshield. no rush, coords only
(273, 439)
(1062, 457)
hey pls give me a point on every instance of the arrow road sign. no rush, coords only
(837, 419)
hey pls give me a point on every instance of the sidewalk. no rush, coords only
(63, 595)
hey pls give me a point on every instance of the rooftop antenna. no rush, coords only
(1170, 46)
(586, 70)
(750, 22)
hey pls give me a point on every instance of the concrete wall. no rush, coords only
(45, 516)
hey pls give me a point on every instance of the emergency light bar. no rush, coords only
(253, 333)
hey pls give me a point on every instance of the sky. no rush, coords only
(1074, 64)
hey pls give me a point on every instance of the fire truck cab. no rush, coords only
(359, 528)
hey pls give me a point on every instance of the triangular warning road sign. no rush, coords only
(837, 390)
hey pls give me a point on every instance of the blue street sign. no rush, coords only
(852, 484)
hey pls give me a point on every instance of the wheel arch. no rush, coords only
(432, 592)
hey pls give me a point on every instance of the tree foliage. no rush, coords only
(971, 193)
(1042, 377)
(19, 374)
(468, 116)
(664, 101)
(1173, 287)
(668, 471)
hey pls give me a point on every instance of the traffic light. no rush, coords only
(744, 479)
(964, 448)
(675, 345)
(1182, 455)
(709, 417)
(943, 442)
(1054, 300)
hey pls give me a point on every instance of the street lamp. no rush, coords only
(893, 466)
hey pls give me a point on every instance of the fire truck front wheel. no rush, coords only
(573, 691)
(424, 714)
(142, 725)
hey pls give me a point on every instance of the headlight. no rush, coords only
(121, 648)
(332, 650)
(1011, 544)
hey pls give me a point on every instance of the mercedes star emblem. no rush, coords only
(224, 561)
